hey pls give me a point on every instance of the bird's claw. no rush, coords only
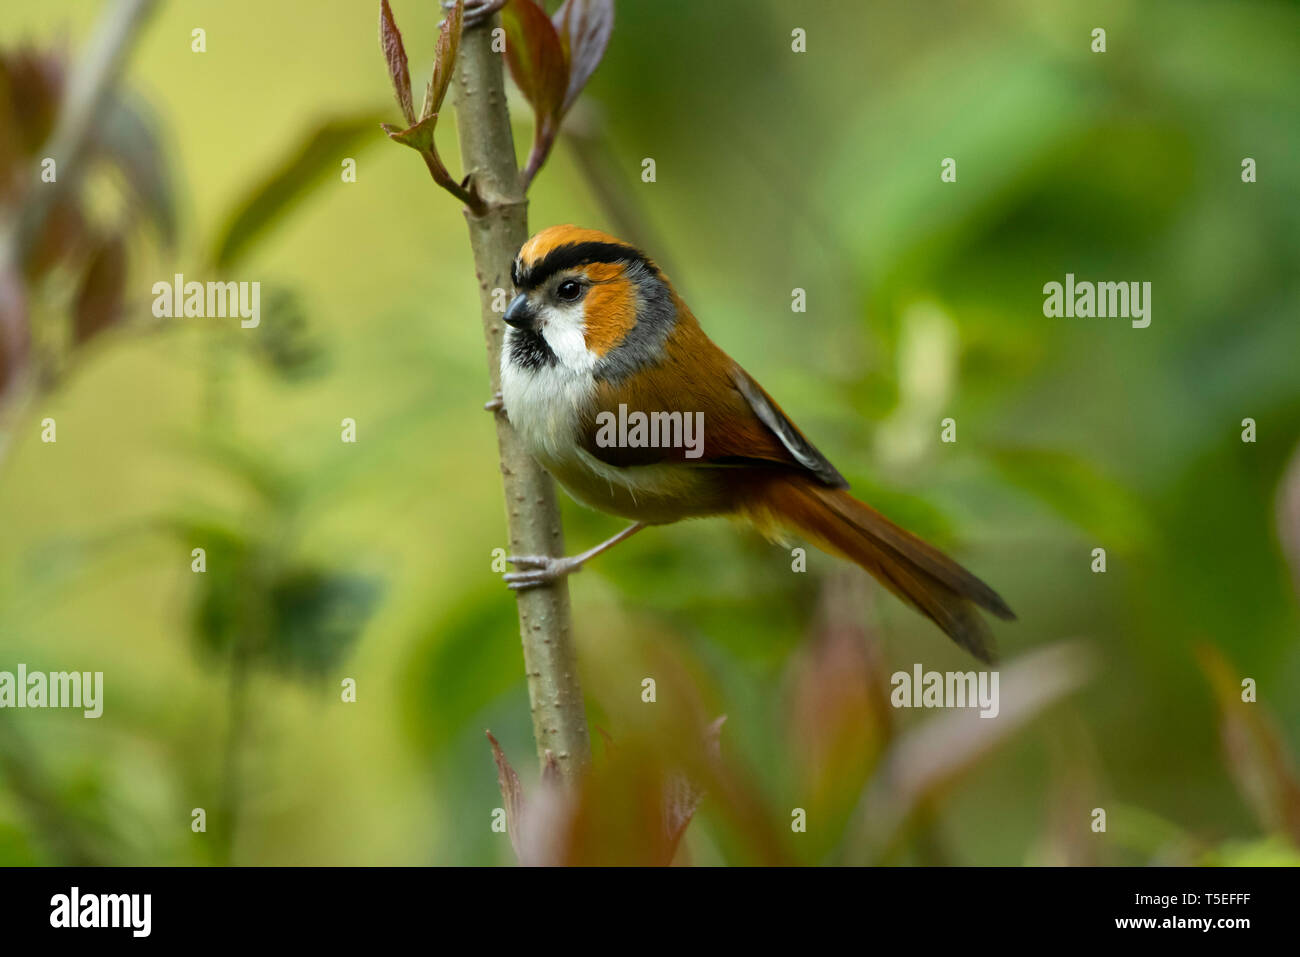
(494, 404)
(476, 11)
(538, 570)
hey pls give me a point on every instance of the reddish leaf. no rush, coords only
(584, 27)
(840, 717)
(925, 760)
(682, 794)
(444, 63)
(14, 330)
(511, 792)
(1256, 751)
(536, 60)
(390, 41)
(32, 83)
(99, 300)
(538, 828)
(64, 235)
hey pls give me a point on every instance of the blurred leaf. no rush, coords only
(926, 357)
(1076, 490)
(536, 60)
(1288, 517)
(1256, 751)
(927, 760)
(632, 810)
(286, 343)
(318, 155)
(220, 615)
(1268, 852)
(1074, 791)
(99, 299)
(683, 793)
(318, 615)
(840, 718)
(261, 474)
(444, 63)
(1157, 840)
(390, 41)
(31, 87)
(125, 135)
(479, 640)
(76, 828)
(295, 618)
(301, 621)
(14, 332)
(64, 236)
(584, 28)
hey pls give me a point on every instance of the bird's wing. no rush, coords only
(729, 420)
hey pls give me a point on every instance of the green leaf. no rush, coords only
(125, 134)
(317, 616)
(317, 155)
(286, 345)
(1076, 490)
(418, 137)
(465, 661)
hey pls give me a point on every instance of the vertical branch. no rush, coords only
(496, 233)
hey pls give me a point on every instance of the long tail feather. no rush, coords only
(912, 569)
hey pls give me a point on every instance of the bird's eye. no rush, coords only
(569, 290)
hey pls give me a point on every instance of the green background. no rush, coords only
(775, 170)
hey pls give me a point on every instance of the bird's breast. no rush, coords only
(545, 405)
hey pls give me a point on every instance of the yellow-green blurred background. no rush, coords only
(775, 170)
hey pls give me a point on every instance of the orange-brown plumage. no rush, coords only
(611, 307)
(598, 330)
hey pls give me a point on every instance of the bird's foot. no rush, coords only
(476, 11)
(539, 569)
(494, 404)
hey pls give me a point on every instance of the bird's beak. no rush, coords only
(520, 313)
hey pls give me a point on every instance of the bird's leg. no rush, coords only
(494, 404)
(540, 569)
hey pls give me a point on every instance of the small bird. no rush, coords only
(596, 335)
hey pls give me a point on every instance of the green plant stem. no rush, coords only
(533, 517)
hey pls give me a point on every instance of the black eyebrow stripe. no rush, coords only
(575, 254)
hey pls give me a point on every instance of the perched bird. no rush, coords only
(596, 335)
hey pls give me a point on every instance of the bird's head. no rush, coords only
(587, 301)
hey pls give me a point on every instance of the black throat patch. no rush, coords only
(530, 350)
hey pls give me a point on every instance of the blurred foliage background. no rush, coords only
(775, 170)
